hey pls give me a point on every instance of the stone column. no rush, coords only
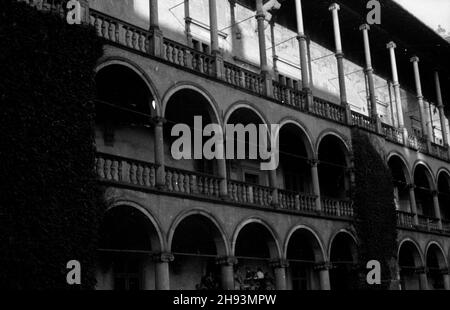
(412, 201)
(214, 35)
(334, 8)
(302, 42)
(423, 279)
(159, 152)
(440, 105)
(85, 14)
(162, 281)
(274, 48)
(415, 60)
(369, 72)
(261, 17)
(222, 167)
(391, 46)
(148, 277)
(156, 46)
(188, 22)
(324, 275)
(227, 272)
(280, 267)
(314, 163)
(273, 180)
(437, 209)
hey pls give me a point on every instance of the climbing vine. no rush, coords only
(50, 202)
(373, 196)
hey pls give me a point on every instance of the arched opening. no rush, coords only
(197, 243)
(191, 110)
(436, 266)
(409, 261)
(401, 185)
(294, 171)
(343, 258)
(444, 198)
(333, 178)
(424, 192)
(124, 107)
(303, 253)
(243, 141)
(255, 248)
(128, 240)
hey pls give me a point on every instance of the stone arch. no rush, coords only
(160, 244)
(245, 105)
(216, 115)
(430, 175)
(418, 258)
(320, 254)
(406, 168)
(122, 61)
(443, 262)
(221, 240)
(348, 233)
(274, 244)
(306, 136)
(345, 142)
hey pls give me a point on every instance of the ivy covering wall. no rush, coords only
(376, 222)
(50, 202)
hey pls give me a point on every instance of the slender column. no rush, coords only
(437, 209)
(280, 267)
(227, 272)
(369, 72)
(159, 152)
(412, 201)
(391, 46)
(440, 105)
(324, 275)
(214, 35)
(334, 8)
(423, 279)
(85, 15)
(415, 60)
(222, 165)
(156, 35)
(301, 37)
(188, 22)
(274, 186)
(274, 48)
(315, 180)
(162, 261)
(148, 276)
(261, 17)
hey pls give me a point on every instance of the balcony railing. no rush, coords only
(297, 201)
(417, 143)
(393, 134)
(405, 219)
(140, 174)
(337, 207)
(289, 96)
(364, 122)
(428, 223)
(136, 38)
(329, 110)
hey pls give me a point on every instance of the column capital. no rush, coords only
(411, 186)
(414, 59)
(227, 261)
(434, 192)
(391, 45)
(364, 27)
(334, 6)
(421, 270)
(313, 162)
(279, 263)
(163, 257)
(323, 266)
(158, 120)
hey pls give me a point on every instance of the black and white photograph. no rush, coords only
(198, 146)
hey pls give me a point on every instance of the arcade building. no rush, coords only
(311, 66)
